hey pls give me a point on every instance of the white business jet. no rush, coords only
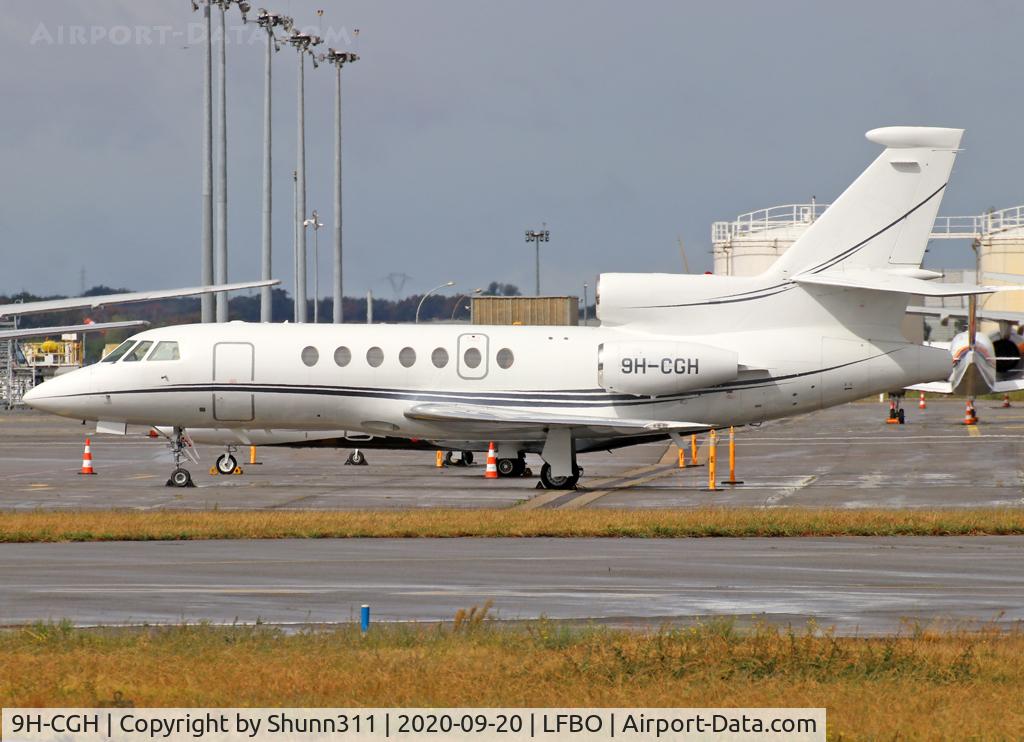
(983, 363)
(674, 354)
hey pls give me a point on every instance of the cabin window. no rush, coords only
(407, 357)
(119, 351)
(342, 356)
(166, 350)
(310, 355)
(139, 351)
(505, 358)
(375, 356)
(439, 357)
(472, 357)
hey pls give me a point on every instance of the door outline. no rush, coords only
(235, 411)
(480, 372)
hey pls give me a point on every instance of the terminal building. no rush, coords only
(751, 242)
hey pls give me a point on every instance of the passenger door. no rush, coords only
(233, 364)
(472, 363)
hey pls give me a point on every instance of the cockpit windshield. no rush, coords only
(139, 351)
(165, 350)
(117, 352)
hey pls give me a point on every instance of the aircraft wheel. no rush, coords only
(467, 458)
(356, 458)
(519, 469)
(507, 467)
(902, 416)
(551, 482)
(226, 463)
(180, 478)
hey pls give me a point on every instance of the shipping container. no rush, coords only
(526, 310)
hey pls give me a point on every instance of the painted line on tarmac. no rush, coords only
(586, 498)
(550, 496)
(973, 431)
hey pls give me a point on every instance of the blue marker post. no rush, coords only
(364, 618)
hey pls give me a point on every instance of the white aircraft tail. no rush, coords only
(882, 221)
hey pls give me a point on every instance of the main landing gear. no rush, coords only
(227, 463)
(179, 444)
(551, 482)
(356, 458)
(896, 414)
(465, 459)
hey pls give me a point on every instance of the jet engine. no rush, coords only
(1008, 354)
(658, 368)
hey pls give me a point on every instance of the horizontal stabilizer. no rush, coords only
(500, 417)
(1005, 387)
(933, 387)
(878, 280)
(39, 332)
(92, 302)
(992, 315)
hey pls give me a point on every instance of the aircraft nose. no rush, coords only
(61, 394)
(39, 397)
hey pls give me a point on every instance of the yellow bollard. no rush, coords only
(732, 459)
(682, 458)
(693, 450)
(712, 460)
(252, 455)
(439, 460)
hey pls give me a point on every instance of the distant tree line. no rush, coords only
(165, 312)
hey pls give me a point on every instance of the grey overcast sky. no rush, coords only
(622, 125)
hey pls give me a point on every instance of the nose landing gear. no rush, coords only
(180, 449)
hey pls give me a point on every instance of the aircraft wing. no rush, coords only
(38, 332)
(876, 280)
(992, 316)
(1002, 387)
(933, 387)
(92, 302)
(482, 415)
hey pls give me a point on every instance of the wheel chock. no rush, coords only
(213, 471)
(238, 470)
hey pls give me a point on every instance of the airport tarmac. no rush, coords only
(841, 457)
(858, 585)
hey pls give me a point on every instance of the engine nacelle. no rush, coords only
(658, 368)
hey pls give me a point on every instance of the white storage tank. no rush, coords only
(751, 242)
(1001, 250)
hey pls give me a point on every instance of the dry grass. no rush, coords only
(173, 525)
(918, 686)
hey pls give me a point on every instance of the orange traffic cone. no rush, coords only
(1006, 400)
(970, 416)
(491, 471)
(921, 404)
(87, 459)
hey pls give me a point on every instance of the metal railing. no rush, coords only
(774, 217)
(792, 215)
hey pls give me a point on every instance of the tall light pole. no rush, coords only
(206, 259)
(268, 21)
(303, 44)
(339, 60)
(586, 309)
(536, 237)
(436, 288)
(315, 223)
(221, 265)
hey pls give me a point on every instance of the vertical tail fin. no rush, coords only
(884, 218)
